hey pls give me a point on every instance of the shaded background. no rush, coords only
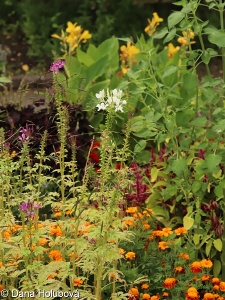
(26, 25)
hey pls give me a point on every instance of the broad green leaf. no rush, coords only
(218, 244)
(170, 35)
(190, 82)
(140, 146)
(169, 70)
(208, 247)
(188, 222)
(200, 121)
(196, 186)
(84, 58)
(196, 239)
(216, 267)
(154, 174)
(161, 33)
(175, 18)
(137, 124)
(217, 37)
(179, 166)
(96, 70)
(212, 161)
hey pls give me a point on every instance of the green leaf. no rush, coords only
(137, 124)
(169, 70)
(140, 146)
(179, 166)
(217, 37)
(84, 58)
(196, 239)
(218, 244)
(190, 82)
(175, 18)
(4, 79)
(200, 121)
(216, 267)
(196, 186)
(188, 222)
(212, 161)
(208, 247)
(96, 70)
(170, 35)
(154, 174)
(161, 33)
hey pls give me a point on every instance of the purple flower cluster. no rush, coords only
(29, 208)
(55, 66)
(25, 134)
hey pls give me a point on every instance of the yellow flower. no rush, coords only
(187, 36)
(128, 52)
(73, 29)
(152, 24)
(85, 36)
(172, 50)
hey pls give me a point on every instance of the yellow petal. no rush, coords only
(25, 68)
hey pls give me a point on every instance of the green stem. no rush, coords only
(221, 10)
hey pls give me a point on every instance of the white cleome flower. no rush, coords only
(110, 99)
(101, 106)
(100, 95)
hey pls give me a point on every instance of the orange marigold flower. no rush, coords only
(216, 287)
(77, 282)
(56, 230)
(169, 283)
(138, 216)
(131, 210)
(130, 255)
(155, 297)
(163, 245)
(0, 264)
(55, 254)
(205, 277)
(121, 251)
(184, 256)
(165, 294)
(134, 292)
(215, 280)
(179, 270)
(208, 296)
(43, 241)
(222, 286)
(192, 294)
(167, 231)
(157, 232)
(146, 297)
(206, 263)
(145, 286)
(196, 267)
(146, 226)
(180, 230)
(1, 287)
